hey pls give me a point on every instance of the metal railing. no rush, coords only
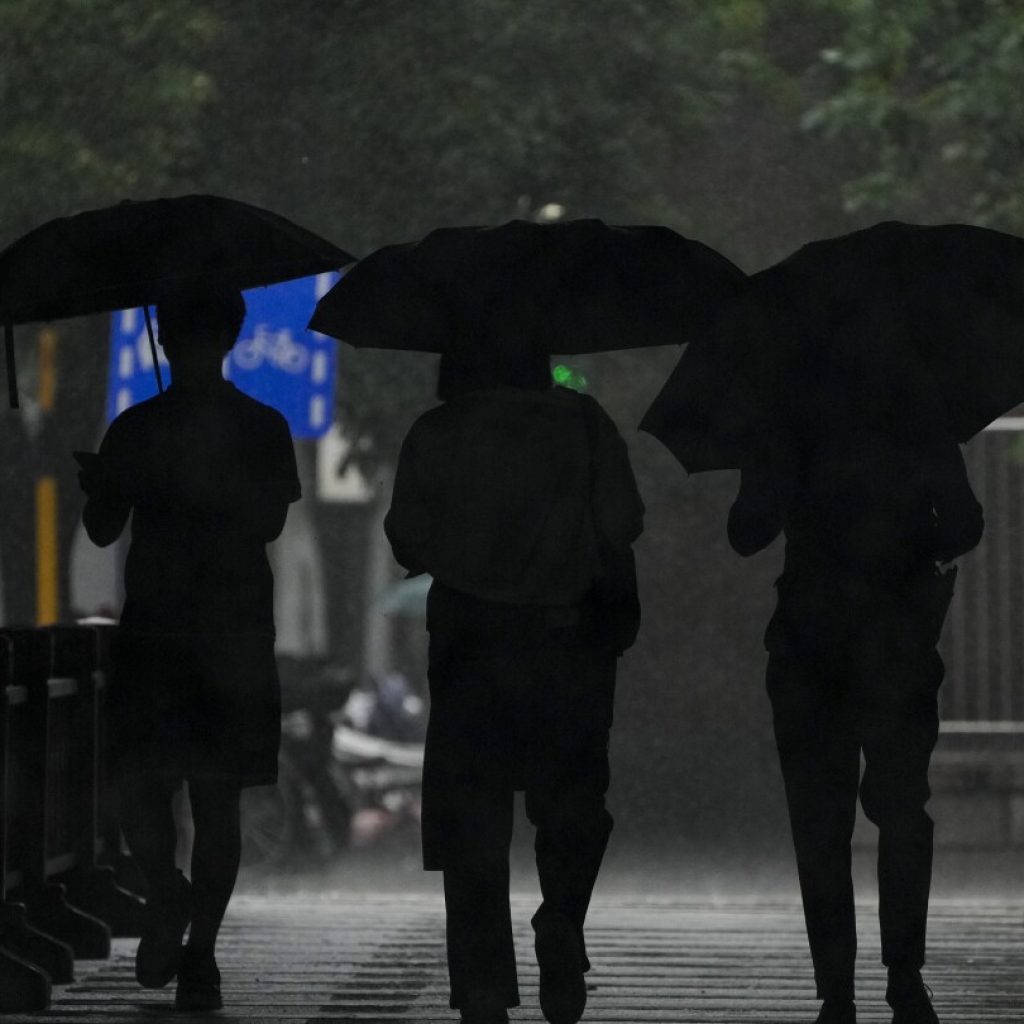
(59, 839)
(983, 640)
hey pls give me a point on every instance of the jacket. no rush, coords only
(501, 495)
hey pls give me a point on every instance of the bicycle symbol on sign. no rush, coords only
(277, 348)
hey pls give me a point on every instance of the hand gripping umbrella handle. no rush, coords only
(152, 349)
(12, 376)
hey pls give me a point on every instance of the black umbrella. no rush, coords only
(903, 327)
(577, 286)
(135, 253)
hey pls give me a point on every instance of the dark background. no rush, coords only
(753, 126)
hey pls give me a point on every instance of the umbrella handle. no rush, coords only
(152, 349)
(12, 374)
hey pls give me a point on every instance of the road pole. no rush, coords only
(46, 498)
(377, 627)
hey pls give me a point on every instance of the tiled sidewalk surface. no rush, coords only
(353, 957)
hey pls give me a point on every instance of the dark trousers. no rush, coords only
(877, 697)
(527, 709)
(572, 833)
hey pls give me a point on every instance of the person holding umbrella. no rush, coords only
(841, 384)
(852, 670)
(518, 498)
(207, 475)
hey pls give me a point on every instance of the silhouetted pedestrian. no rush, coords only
(207, 475)
(518, 498)
(853, 670)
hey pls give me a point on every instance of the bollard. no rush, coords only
(27, 943)
(24, 987)
(29, 959)
(91, 885)
(111, 848)
(45, 774)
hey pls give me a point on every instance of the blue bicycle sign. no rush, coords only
(278, 349)
(275, 360)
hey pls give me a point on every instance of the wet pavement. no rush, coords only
(363, 956)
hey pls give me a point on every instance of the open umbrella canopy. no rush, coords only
(707, 417)
(135, 253)
(572, 287)
(905, 328)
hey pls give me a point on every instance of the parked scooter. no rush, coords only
(378, 744)
(349, 771)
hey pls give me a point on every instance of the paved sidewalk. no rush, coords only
(349, 957)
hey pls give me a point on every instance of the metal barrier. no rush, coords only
(982, 644)
(58, 832)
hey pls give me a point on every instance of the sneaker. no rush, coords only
(910, 999)
(483, 1007)
(164, 923)
(837, 1011)
(198, 982)
(563, 991)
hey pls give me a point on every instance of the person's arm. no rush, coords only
(959, 517)
(261, 507)
(107, 507)
(264, 513)
(105, 513)
(767, 483)
(620, 598)
(755, 518)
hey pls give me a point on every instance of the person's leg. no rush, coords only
(481, 952)
(894, 793)
(145, 710)
(900, 729)
(216, 853)
(819, 754)
(567, 732)
(573, 828)
(147, 821)
(568, 778)
(468, 806)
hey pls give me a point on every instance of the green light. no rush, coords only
(567, 377)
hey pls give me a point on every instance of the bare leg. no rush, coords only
(216, 853)
(147, 820)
